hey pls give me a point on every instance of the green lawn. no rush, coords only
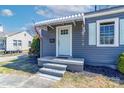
(6, 55)
(21, 67)
(76, 80)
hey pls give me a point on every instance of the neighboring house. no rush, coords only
(97, 37)
(15, 41)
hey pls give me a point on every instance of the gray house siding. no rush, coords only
(77, 40)
(47, 48)
(104, 56)
(93, 55)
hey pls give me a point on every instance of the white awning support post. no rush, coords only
(74, 23)
(50, 26)
(39, 30)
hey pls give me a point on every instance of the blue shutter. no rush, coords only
(121, 31)
(92, 33)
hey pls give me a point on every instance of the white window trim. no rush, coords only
(116, 32)
(57, 34)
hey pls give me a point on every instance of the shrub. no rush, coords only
(121, 63)
(122, 54)
(35, 47)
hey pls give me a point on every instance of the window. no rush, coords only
(1, 42)
(19, 43)
(14, 42)
(64, 32)
(107, 32)
(29, 43)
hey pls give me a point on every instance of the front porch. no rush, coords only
(61, 46)
(62, 40)
(73, 64)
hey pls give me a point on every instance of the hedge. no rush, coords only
(35, 46)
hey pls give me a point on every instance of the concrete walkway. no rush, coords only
(15, 81)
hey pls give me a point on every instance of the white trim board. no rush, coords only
(57, 30)
(116, 32)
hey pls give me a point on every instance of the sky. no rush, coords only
(19, 18)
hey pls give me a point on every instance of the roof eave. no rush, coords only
(55, 23)
(103, 13)
(60, 20)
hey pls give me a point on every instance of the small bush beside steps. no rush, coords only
(120, 66)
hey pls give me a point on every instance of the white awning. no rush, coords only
(66, 19)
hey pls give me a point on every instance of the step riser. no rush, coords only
(51, 73)
(49, 76)
(54, 67)
(61, 62)
(53, 70)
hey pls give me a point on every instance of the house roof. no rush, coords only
(2, 34)
(12, 33)
(66, 19)
(7, 34)
(107, 11)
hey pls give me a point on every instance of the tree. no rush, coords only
(35, 46)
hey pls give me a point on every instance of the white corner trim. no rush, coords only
(57, 48)
(57, 34)
(116, 32)
(70, 40)
(104, 13)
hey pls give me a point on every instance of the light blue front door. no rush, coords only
(64, 42)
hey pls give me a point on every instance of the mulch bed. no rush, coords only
(32, 60)
(111, 73)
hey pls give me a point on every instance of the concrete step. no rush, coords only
(49, 76)
(55, 66)
(53, 72)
